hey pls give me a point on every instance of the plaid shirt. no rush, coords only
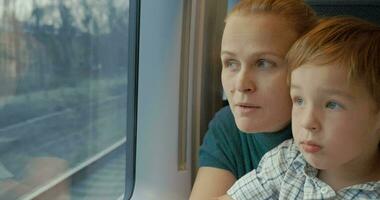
(283, 173)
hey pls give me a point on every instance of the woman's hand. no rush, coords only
(211, 183)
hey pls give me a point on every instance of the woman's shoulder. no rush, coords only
(219, 144)
(223, 124)
(225, 114)
(223, 121)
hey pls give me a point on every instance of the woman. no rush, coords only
(257, 35)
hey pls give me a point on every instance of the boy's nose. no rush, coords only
(310, 120)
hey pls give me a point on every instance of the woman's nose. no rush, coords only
(245, 81)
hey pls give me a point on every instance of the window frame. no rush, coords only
(133, 62)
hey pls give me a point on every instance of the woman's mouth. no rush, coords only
(245, 108)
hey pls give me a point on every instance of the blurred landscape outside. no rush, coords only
(63, 87)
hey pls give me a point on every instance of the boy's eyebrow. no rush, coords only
(333, 91)
(329, 91)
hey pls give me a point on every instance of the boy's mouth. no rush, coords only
(310, 147)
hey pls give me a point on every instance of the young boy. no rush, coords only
(335, 89)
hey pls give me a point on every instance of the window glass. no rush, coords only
(231, 4)
(63, 98)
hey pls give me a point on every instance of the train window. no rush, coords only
(67, 107)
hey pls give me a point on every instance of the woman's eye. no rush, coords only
(298, 101)
(333, 105)
(231, 64)
(263, 63)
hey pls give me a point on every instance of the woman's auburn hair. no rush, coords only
(346, 42)
(300, 15)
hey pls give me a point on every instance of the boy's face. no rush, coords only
(335, 125)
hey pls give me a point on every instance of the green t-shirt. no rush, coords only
(226, 147)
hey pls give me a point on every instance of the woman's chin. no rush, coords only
(250, 126)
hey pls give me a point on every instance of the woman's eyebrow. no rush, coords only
(224, 52)
(294, 86)
(257, 54)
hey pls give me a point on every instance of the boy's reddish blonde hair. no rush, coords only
(346, 41)
(296, 12)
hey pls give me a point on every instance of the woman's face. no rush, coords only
(254, 71)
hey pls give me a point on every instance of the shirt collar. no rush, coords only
(303, 168)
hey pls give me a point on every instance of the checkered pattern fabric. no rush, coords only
(283, 173)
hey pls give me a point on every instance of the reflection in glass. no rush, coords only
(63, 83)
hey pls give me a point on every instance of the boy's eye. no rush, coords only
(333, 105)
(263, 63)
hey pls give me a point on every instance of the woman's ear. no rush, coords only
(378, 127)
(377, 122)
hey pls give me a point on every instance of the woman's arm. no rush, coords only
(225, 197)
(211, 183)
